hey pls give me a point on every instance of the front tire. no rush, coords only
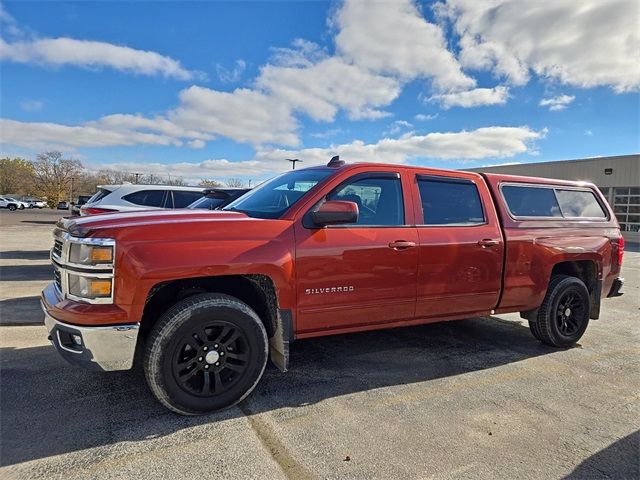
(564, 314)
(206, 353)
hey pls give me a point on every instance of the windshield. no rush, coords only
(208, 202)
(276, 196)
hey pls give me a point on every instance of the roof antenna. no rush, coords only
(293, 162)
(335, 162)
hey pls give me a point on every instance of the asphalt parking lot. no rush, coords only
(478, 398)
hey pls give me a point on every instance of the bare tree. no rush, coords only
(209, 183)
(235, 182)
(54, 175)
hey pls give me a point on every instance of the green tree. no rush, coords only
(55, 175)
(16, 176)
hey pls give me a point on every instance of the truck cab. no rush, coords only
(207, 297)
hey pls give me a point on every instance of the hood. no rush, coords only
(86, 226)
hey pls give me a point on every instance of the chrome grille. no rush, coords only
(57, 277)
(57, 248)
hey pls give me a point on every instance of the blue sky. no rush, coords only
(220, 90)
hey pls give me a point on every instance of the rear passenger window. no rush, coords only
(182, 199)
(450, 201)
(527, 201)
(146, 198)
(531, 201)
(579, 203)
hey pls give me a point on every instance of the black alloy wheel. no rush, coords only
(205, 353)
(569, 313)
(210, 359)
(563, 316)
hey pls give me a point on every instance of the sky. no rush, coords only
(222, 90)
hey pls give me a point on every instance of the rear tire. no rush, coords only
(12, 208)
(564, 314)
(206, 353)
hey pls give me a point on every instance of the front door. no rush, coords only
(360, 274)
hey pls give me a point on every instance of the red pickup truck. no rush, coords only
(206, 297)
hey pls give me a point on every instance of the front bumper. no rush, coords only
(96, 348)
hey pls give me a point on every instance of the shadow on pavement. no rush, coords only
(25, 255)
(40, 222)
(50, 407)
(620, 460)
(21, 311)
(19, 273)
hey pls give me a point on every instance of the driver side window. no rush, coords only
(379, 200)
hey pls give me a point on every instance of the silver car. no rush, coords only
(129, 198)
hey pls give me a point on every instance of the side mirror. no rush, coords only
(335, 212)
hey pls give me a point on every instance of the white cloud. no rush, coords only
(473, 98)
(588, 133)
(584, 44)
(421, 117)
(243, 115)
(557, 103)
(394, 38)
(321, 89)
(489, 142)
(41, 135)
(31, 105)
(57, 52)
(302, 53)
(203, 114)
(231, 75)
(397, 127)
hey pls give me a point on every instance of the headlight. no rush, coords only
(86, 254)
(89, 287)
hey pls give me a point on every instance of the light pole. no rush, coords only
(293, 162)
(137, 175)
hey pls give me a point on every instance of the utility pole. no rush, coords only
(293, 162)
(137, 175)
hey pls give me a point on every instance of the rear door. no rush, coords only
(460, 246)
(364, 273)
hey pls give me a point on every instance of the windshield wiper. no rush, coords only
(235, 209)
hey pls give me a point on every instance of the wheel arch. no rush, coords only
(256, 290)
(588, 270)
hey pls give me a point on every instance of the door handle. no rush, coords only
(401, 245)
(487, 242)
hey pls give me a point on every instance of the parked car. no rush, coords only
(75, 207)
(34, 203)
(20, 205)
(128, 198)
(216, 198)
(210, 296)
(10, 203)
(63, 206)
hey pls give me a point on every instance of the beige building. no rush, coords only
(617, 177)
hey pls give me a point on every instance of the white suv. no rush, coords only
(11, 203)
(128, 198)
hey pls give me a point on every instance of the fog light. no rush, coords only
(77, 339)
